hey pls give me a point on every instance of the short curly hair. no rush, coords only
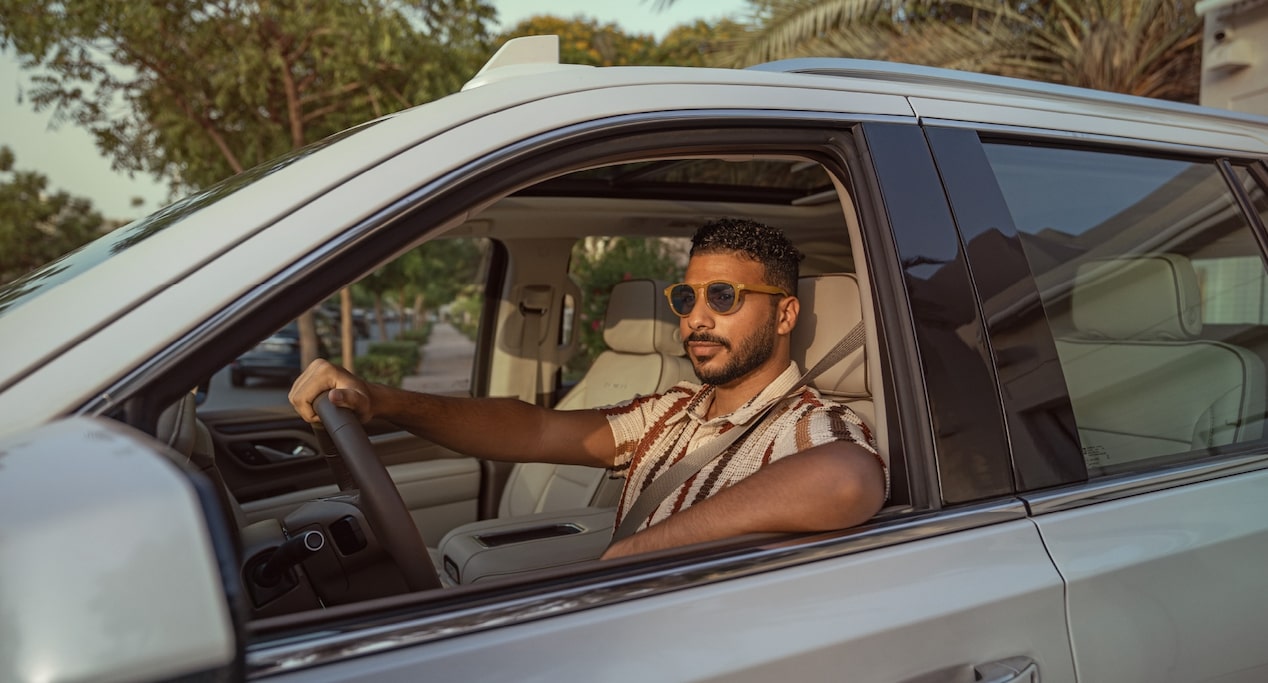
(757, 241)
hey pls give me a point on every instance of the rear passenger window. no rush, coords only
(1155, 290)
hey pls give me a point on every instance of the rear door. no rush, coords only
(1126, 298)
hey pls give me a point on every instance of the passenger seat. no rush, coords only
(831, 305)
(644, 356)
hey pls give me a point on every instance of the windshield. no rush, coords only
(46, 277)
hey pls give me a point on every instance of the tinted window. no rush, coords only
(1155, 290)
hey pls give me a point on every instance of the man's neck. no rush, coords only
(729, 398)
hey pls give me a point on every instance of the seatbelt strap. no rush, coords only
(533, 305)
(693, 462)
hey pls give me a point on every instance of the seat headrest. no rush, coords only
(830, 308)
(639, 320)
(1145, 297)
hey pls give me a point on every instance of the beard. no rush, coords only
(754, 350)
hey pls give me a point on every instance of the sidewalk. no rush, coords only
(446, 364)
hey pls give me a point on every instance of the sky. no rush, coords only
(66, 154)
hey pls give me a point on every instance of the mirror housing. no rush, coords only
(115, 564)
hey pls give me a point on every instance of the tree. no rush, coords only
(699, 43)
(583, 40)
(586, 41)
(197, 90)
(37, 225)
(1141, 47)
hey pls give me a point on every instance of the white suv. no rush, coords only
(1066, 306)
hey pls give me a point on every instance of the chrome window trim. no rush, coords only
(1096, 138)
(328, 645)
(162, 361)
(1124, 486)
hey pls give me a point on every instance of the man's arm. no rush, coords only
(832, 486)
(494, 428)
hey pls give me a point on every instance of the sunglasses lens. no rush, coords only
(682, 298)
(721, 296)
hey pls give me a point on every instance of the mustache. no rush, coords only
(707, 338)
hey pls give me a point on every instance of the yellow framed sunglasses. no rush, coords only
(722, 296)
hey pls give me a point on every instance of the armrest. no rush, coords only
(498, 547)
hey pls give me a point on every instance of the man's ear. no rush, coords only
(789, 309)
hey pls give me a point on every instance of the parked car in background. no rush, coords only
(1062, 294)
(277, 357)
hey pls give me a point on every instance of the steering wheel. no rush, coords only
(379, 499)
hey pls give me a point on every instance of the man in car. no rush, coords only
(808, 465)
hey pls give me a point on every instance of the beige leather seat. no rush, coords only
(831, 305)
(644, 356)
(1141, 382)
(179, 428)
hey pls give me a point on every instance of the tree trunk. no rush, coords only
(349, 339)
(307, 338)
(378, 316)
(418, 310)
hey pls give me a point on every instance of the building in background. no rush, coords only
(1235, 54)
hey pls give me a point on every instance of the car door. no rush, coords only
(955, 580)
(1129, 339)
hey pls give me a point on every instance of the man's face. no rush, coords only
(725, 348)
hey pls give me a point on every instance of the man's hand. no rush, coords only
(346, 391)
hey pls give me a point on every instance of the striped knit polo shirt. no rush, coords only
(654, 432)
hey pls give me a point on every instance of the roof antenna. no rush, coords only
(518, 55)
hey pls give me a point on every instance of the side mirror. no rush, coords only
(113, 564)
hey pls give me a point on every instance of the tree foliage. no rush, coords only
(36, 224)
(583, 40)
(1141, 47)
(194, 91)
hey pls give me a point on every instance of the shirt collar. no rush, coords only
(698, 407)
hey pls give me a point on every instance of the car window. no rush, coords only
(1154, 288)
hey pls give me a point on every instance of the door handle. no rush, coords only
(1011, 670)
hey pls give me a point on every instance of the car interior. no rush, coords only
(476, 522)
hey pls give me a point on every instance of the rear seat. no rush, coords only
(1141, 382)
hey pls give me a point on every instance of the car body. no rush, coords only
(1062, 292)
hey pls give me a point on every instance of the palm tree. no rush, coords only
(1141, 47)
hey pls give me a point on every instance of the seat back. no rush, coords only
(644, 356)
(831, 306)
(1141, 382)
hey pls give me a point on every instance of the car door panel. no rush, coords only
(1167, 586)
(931, 609)
(440, 488)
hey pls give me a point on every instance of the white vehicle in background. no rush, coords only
(1063, 293)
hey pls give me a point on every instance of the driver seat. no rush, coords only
(191, 447)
